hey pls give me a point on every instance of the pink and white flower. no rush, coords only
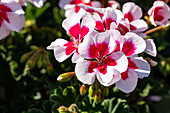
(72, 8)
(159, 13)
(131, 11)
(131, 45)
(11, 18)
(99, 59)
(62, 48)
(132, 14)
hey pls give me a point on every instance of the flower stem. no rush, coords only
(154, 29)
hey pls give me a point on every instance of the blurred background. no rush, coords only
(28, 72)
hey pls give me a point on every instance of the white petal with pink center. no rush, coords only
(98, 46)
(150, 47)
(12, 17)
(159, 13)
(62, 49)
(112, 15)
(121, 60)
(72, 26)
(138, 26)
(133, 44)
(131, 11)
(83, 73)
(142, 67)
(128, 82)
(87, 26)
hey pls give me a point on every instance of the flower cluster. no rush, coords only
(12, 15)
(107, 43)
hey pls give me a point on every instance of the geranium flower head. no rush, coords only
(99, 60)
(159, 13)
(62, 48)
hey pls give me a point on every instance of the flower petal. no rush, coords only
(104, 74)
(72, 25)
(133, 44)
(16, 22)
(131, 11)
(143, 69)
(138, 25)
(112, 15)
(87, 26)
(82, 72)
(150, 47)
(76, 58)
(121, 61)
(129, 84)
(4, 32)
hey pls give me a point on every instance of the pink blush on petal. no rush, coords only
(157, 16)
(75, 31)
(92, 66)
(108, 23)
(132, 27)
(131, 64)
(93, 51)
(99, 26)
(84, 31)
(129, 16)
(103, 49)
(122, 29)
(102, 68)
(128, 48)
(125, 75)
(118, 46)
(109, 61)
(70, 50)
(3, 13)
(77, 9)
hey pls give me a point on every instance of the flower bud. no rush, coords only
(26, 56)
(91, 90)
(153, 63)
(106, 91)
(83, 89)
(97, 97)
(65, 76)
(40, 61)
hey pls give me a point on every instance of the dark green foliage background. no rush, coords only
(37, 90)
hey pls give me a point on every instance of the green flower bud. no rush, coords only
(97, 97)
(91, 90)
(65, 76)
(106, 91)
